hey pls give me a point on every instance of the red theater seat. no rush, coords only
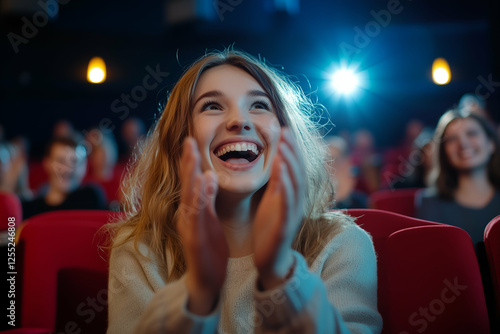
(10, 206)
(492, 245)
(428, 275)
(63, 272)
(400, 201)
(37, 176)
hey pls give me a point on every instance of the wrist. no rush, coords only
(270, 279)
(201, 301)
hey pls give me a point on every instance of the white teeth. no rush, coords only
(238, 147)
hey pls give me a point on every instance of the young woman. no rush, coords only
(227, 226)
(467, 174)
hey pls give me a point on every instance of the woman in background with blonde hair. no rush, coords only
(228, 228)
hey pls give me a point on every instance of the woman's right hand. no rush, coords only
(204, 244)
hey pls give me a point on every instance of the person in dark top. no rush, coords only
(65, 162)
(466, 185)
(466, 190)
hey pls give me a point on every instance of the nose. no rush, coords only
(238, 120)
(463, 140)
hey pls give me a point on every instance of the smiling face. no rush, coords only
(236, 128)
(65, 166)
(466, 145)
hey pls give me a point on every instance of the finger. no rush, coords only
(189, 167)
(287, 190)
(294, 163)
(273, 185)
(288, 138)
(211, 188)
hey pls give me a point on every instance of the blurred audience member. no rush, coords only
(103, 155)
(467, 184)
(66, 163)
(466, 190)
(102, 164)
(14, 168)
(367, 161)
(417, 167)
(413, 129)
(63, 128)
(398, 166)
(474, 104)
(343, 178)
(132, 132)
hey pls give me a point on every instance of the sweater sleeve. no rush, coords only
(139, 301)
(342, 299)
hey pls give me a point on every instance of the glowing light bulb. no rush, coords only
(441, 73)
(96, 72)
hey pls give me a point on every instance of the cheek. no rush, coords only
(449, 150)
(204, 135)
(270, 129)
(490, 147)
(201, 135)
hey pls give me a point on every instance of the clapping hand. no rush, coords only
(279, 214)
(203, 240)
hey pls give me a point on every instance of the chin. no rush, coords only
(241, 186)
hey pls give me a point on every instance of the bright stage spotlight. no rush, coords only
(345, 81)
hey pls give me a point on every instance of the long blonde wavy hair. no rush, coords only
(152, 188)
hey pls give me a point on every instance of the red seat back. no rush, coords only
(37, 176)
(63, 272)
(492, 245)
(428, 276)
(400, 201)
(10, 206)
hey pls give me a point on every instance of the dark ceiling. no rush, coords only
(45, 79)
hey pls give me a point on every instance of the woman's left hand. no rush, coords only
(279, 214)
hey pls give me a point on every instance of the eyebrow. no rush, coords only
(218, 93)
(256, 92)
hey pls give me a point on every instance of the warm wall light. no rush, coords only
(441, 73)
(96, 72)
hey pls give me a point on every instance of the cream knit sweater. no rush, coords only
(338, 294)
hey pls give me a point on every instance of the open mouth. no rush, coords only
(238, 153)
